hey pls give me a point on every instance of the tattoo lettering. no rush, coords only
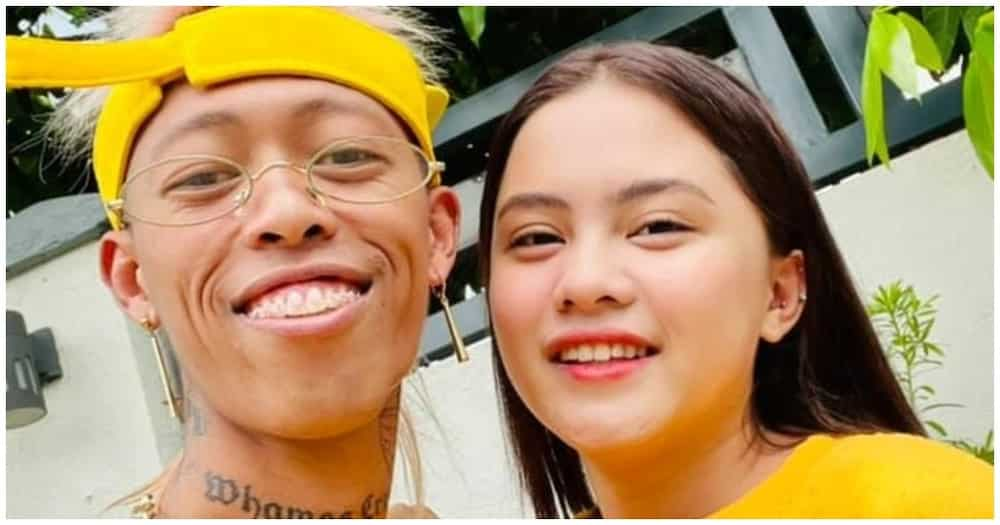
(219, 489)
(387, 424)
(196, 420)
(247, 500)
(272, 511)
(373, 507)
(226, 491)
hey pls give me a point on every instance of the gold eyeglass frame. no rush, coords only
(434, 168)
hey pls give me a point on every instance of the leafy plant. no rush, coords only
(983, 452)
(904, 321)
(899, 44)
(907, 319)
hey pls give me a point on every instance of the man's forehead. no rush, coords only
(188, 110)
(297, 95)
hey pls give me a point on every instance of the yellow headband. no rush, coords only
(218, 45)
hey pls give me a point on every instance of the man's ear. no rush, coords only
(122, 275)
(445, 219)
(787, 298)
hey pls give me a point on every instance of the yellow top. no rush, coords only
(872, 476)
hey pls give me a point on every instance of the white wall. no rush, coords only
(929, 222)
(466, 470)
(96, 442)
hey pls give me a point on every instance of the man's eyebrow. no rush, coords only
(201, 121)
(326, 105)
(224, 118)
(645, 188)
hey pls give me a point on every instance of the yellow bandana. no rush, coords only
(218, 45)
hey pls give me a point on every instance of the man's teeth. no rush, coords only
(601, 352)
(295, 304)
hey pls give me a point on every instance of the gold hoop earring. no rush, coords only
(173, 401)
(456, 337)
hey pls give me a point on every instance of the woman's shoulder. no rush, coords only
(895, 445)
(903, 474)
(902, 453)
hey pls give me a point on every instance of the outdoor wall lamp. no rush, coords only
(32, 361)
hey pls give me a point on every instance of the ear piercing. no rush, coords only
(784, 304)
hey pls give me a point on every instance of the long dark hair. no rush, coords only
(827, 375)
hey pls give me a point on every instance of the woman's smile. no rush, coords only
(600, 355)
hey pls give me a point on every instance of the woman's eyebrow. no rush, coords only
(532, 200)
(645, 188)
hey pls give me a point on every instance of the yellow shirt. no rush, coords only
(871, 476)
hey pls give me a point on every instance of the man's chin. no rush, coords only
(314, 425)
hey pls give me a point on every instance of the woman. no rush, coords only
(277, 212)
(677, 334)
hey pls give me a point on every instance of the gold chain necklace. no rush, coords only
(145, 507)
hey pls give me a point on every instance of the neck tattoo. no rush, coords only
(230, 493)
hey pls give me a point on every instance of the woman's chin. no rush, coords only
(597, 433)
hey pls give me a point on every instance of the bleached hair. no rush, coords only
(71, 125)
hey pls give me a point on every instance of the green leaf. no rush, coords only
(474, 21)
(78, 15)
(977, 94)
(895, 53)
(927, 329)
(934, 425)
(984, 38)
(924, 49)
(928, 408)
(934, 349)
(970, 17)
(965, 446)
(942, 23)
(872, 105)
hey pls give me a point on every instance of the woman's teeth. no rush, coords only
(601, 353)
(296, 303)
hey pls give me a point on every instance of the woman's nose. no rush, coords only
(593, 280)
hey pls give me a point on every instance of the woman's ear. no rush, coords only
(787, 298)
(445, 218)
(122, 275)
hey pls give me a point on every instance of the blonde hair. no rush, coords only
(71, 128)
(71, 125)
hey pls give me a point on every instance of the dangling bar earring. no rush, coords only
(456, 337)
(172, 399)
